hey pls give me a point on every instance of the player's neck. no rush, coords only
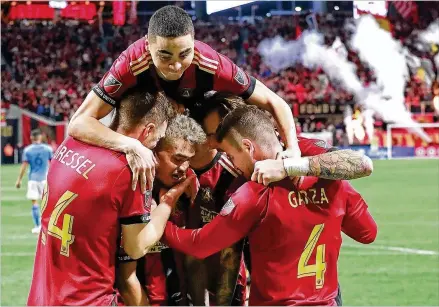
(202, 160)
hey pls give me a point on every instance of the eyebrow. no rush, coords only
(169, 53)
(181, 156)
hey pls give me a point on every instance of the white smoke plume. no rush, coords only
(431, 34)
(391, 70)
(377, 48)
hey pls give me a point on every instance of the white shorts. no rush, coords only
(35, 189)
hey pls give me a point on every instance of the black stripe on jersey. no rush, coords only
(137, 219)
(212, 163)
(250, 90)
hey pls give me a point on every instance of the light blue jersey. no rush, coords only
(38, 157)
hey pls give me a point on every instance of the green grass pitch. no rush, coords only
(400, 268)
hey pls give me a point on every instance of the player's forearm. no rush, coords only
(90, 130)
(132, 292)
(265, 99)
(155, 228)
(22, 171)
(336, 165)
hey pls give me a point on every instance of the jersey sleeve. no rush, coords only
(237, 217)
(230, 78)
(313, 147)
(358, 223)
(120, 77)
(134, 207)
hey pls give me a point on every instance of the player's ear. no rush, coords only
(247, 146)
(147, 131)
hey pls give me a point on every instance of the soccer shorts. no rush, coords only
(35, 189)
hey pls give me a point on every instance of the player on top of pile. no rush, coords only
(171, 60)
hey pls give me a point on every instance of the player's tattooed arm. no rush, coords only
(335, 165)
(340, 165)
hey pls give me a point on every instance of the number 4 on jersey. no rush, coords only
(318, 269)
(64, 233)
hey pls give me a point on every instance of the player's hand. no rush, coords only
(18, 184)
(269, 171)
(142, 163)
(291, 152)
(193, 188)
(171, 196)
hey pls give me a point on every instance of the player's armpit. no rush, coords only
(129, 286)
(340, 165)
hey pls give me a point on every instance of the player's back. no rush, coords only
(38, 156)
(296, 244)
(76, 251)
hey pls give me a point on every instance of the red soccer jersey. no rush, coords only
(209, 71)
(88, 195)
(294, 234)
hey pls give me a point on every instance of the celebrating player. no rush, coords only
(169, 59)
(294, 226)
(37, 156)
(87, 197)
(160, 271)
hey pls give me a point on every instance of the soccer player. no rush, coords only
(169, 59)
(294, 226)
(37, 156)
(88, 202)
(158, 277)
(322, 160)
(222, 274)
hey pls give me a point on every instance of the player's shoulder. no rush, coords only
(138, 55)
(205, 57)
(312, 147)
(250, 191)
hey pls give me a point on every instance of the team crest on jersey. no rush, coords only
(111, 84)
(186, 92)
(240, 77)
(227, 208)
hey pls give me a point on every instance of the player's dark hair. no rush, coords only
(139, 106)
(247, 122)
(220, 102)
(170, 21)
(35, 133)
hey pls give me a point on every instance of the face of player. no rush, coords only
(242, 155)
(210, 124)
(173, 162)
(172, 55)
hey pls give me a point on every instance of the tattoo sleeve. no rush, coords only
(340, 165)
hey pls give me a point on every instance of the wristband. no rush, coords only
(296, 167)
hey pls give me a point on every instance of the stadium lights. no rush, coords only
(336, 8)
(268, 15)
(58, 4)
(298, 9)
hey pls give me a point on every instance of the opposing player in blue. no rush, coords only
(37, 156)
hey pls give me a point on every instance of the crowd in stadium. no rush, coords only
(51, 68)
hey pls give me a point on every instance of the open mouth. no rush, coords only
(178, 177)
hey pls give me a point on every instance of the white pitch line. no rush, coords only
(403, 250)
